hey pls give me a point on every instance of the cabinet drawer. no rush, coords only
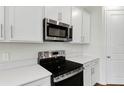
(41, 82)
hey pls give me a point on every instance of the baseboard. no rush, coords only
(98, 84)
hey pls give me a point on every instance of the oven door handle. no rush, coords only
(65, 76)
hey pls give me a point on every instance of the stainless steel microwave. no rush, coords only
(56, 31)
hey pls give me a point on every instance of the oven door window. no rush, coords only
(76, 80)
(57, 31)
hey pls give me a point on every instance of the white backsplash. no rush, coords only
(21, 51)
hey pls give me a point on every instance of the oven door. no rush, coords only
(76, 80)
(56, 33)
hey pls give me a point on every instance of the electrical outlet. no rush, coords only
(5, 56)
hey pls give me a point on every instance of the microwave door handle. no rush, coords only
(68, 34)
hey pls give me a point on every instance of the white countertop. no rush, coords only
(22, 75)
(82, 59)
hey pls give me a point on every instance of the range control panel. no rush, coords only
(49, 54)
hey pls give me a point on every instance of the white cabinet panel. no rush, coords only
(59, 13)
(87, 76)
(77, 24)
(91, 73)
(86, 27)
(66, 14)
(26, 23)
(81, 25)
(51, 12)
(94, 74)
(1, 23)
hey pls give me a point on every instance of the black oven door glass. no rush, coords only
(57, 31)
(76, 80)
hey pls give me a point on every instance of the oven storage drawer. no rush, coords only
(76, 80)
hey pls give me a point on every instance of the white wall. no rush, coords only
(22, 51)
(96, 47)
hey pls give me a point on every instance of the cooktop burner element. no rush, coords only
(55, 62)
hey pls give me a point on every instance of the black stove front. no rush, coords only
(64, 72)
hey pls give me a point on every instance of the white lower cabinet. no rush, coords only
(94, 74)
(87, 76)
(91, 73)
(41, 82)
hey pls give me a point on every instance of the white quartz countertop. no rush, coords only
(83, 59)
(22, 75)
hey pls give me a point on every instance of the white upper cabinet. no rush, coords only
(81, 25)
(25, 23)
(1, 23)
(86, 27)
(51, 12)
(66, 14)
(77, 21)
(59, 13)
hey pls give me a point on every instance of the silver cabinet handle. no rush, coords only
(92, 71)
(1, 30)
(60, 16)
(11, 31)
(82, 38)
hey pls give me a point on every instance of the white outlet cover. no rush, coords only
(5, 56)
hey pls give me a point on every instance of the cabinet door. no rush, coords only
(26, 23)
(1, 23)
(86, 27)
(94, 71)
(59, 13)
(77, 24)
(66, 14)
(51, 12)
(87, 76)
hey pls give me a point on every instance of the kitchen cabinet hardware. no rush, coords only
(1, 30)
(60, 16)
(11, 31)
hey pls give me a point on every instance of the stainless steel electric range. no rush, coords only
(64, 72)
